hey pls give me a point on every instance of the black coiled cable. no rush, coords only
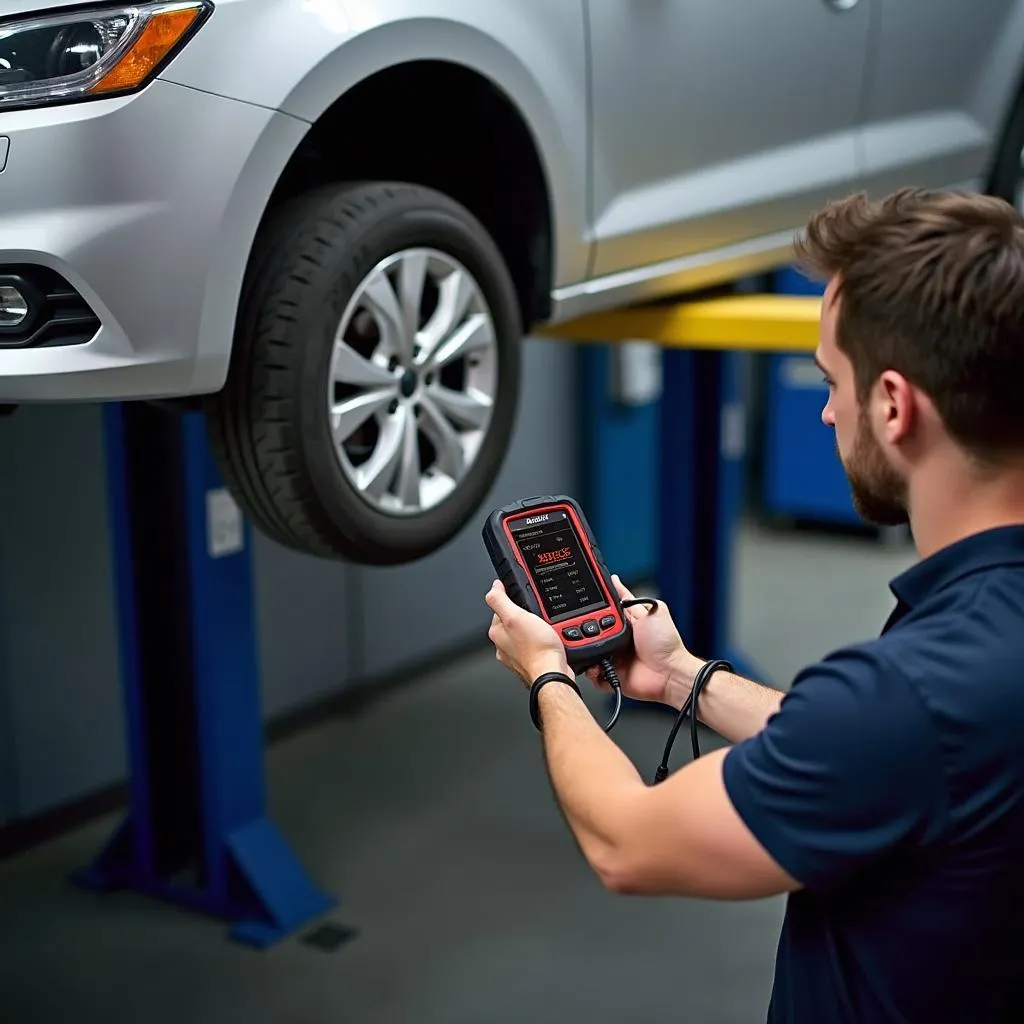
(707, 670)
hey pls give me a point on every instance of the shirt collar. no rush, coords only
(1002, 545)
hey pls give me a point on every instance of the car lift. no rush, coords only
(699, 468)
(196, 832)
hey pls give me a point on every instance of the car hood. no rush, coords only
(13, 10)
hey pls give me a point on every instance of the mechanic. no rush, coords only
(884, 793)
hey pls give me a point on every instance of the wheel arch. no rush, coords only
(1011, 113)
(486, 155)
(517, 57)
(999, 89)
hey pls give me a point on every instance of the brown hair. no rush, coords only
(932, 286)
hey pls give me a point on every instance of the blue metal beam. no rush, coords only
(701, 497)
(196, 832)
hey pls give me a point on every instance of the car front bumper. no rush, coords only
(146, 206)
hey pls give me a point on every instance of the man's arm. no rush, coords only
(731, 705)
(828, 787)
(682, 837)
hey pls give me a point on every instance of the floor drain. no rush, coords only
(328, 937)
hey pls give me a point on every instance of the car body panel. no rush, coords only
(938, 90)
(724, 131)
(533, 51)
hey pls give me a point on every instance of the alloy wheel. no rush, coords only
(412, 381)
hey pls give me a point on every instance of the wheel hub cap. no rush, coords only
(407, 383)
(412, 383)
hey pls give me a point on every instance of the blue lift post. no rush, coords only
(623, 436)
(700, 484)
(673, 528)
(196, 831)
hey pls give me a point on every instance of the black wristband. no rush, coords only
(539, 683)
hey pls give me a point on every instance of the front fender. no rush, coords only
(300, 56)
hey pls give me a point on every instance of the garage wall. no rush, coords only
(323, 627)
(8, 767)
(58, 632)
(305, 609)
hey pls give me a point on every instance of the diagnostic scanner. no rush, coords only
(544, 553)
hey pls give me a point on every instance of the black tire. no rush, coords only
(1007, 174)
(269, 427)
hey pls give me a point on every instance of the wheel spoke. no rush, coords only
(409, 473)
(378, 474)
(413, 277)
(451, 458)
(382, 301)
(456, 293)
(348, 416)
(349, 367)
(469, 408)
(473, 335)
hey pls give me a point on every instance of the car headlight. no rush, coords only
(85, 54)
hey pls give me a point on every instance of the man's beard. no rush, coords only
(879, 493)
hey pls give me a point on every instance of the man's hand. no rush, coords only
(524, 643)
(662, 669)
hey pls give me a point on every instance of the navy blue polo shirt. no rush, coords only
(890, 785)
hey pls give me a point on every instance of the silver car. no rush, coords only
(330, 222)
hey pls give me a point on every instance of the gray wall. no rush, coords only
(8, 766)
(305, 608)
(323, 627)
(59, 687)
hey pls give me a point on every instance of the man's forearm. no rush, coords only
(592, 778)
(733, 706)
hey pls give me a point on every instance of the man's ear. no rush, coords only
(897, 401)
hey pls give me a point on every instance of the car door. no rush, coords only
(719, 121)
(942, 73)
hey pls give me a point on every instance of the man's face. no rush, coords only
(879, 491)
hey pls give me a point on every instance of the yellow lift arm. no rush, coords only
(750, 323)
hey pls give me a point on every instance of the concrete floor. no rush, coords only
(431, 817)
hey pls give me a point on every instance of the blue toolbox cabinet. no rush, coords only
(802, 475)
